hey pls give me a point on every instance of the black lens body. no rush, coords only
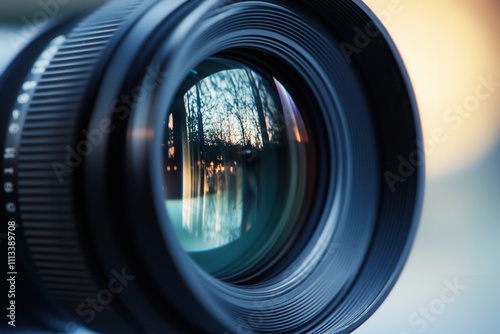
(82, 122)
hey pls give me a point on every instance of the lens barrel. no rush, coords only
(208, 167)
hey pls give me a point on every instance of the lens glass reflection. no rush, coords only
(235, 164)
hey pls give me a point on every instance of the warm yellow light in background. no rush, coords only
(450, 48)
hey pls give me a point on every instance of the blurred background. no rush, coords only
(452, 53)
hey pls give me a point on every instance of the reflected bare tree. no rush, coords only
(228, 116)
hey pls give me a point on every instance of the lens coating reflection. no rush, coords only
(235, 165)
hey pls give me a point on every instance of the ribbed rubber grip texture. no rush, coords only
(50, 128)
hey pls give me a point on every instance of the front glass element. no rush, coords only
(235, 165)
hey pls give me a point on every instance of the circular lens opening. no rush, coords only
(237, 167)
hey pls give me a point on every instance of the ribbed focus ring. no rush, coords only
(53, 97)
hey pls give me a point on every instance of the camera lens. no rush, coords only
(236, 164)
(208, 167)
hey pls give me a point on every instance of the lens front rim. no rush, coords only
(177, 59)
